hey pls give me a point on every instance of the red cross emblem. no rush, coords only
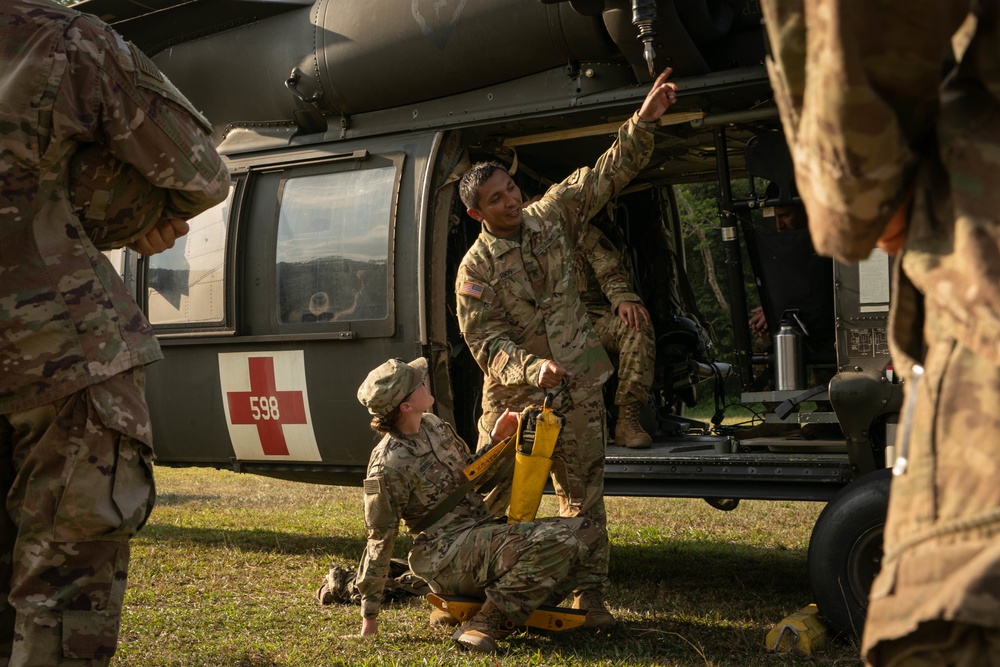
(265, 407)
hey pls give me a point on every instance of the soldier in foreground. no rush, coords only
(622, 323)
(520, 313)
(466, 551)
(75, 442)
(893, 117)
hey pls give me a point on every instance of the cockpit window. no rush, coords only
(333, 246)
(186, 283)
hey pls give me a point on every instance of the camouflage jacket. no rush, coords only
(529, 308)
(407, 477)
(879, 125)
(66, 81)
(600, 274)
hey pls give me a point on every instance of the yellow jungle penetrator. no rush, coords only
(554, 619)
(537, 432)
(802, 631)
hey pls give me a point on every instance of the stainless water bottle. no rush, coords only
(789, 366)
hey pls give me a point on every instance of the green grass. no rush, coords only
(225, 572)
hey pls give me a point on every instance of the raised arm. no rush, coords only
(587, 190)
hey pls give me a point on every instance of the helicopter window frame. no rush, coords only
(330, 318)
(220, 248)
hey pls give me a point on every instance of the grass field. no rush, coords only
(225, 574)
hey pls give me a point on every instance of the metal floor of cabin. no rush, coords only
(705, 465)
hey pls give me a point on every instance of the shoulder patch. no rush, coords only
(144, 64)
(499, 362)
(469, 288)
(373, 485)
(148, 75)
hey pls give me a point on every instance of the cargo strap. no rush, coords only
(786, 408)
(475, 474)
(545, 617)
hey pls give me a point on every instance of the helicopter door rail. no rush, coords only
(267, 164)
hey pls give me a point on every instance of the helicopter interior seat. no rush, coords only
(796, 283)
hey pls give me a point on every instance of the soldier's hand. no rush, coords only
(369, 627)
(633, 314)
(660, 97)
(505, 427)
(758, 323)
(161, 237)
(551, 374)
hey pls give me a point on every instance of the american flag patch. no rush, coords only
(373, 485)
(469, 288)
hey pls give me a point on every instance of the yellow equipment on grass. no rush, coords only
(545, 617)
(802, 631)
(537, 433)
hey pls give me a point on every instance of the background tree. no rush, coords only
(698, 207)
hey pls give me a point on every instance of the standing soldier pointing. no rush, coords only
(520, 313)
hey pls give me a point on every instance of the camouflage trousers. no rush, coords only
(577, 473)
(636, 356)
(75, 493)
(937, 598)
(940, 644)
(520, 566)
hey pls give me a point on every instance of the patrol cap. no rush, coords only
(116, 204)
(386, 386)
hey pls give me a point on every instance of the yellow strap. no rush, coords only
(496, 452)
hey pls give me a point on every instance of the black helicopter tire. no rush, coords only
(845, 551)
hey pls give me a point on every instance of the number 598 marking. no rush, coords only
(264, 408)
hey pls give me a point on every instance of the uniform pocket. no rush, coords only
(133, 489)
(914, 495)
(89, 634)
(107, 489)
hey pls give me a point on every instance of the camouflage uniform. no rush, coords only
(604, 285)
(75, 456)
(467, 552)
(874, 124)
(528, 309)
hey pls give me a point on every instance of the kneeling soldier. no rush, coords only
(465, 552)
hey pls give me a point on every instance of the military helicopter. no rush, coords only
(346, 127)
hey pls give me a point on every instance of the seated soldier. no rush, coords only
(623, 325)
(412, 474)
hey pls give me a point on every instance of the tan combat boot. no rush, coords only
(628, 430)
(599, 619)
(482, 632)
(440, 618)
